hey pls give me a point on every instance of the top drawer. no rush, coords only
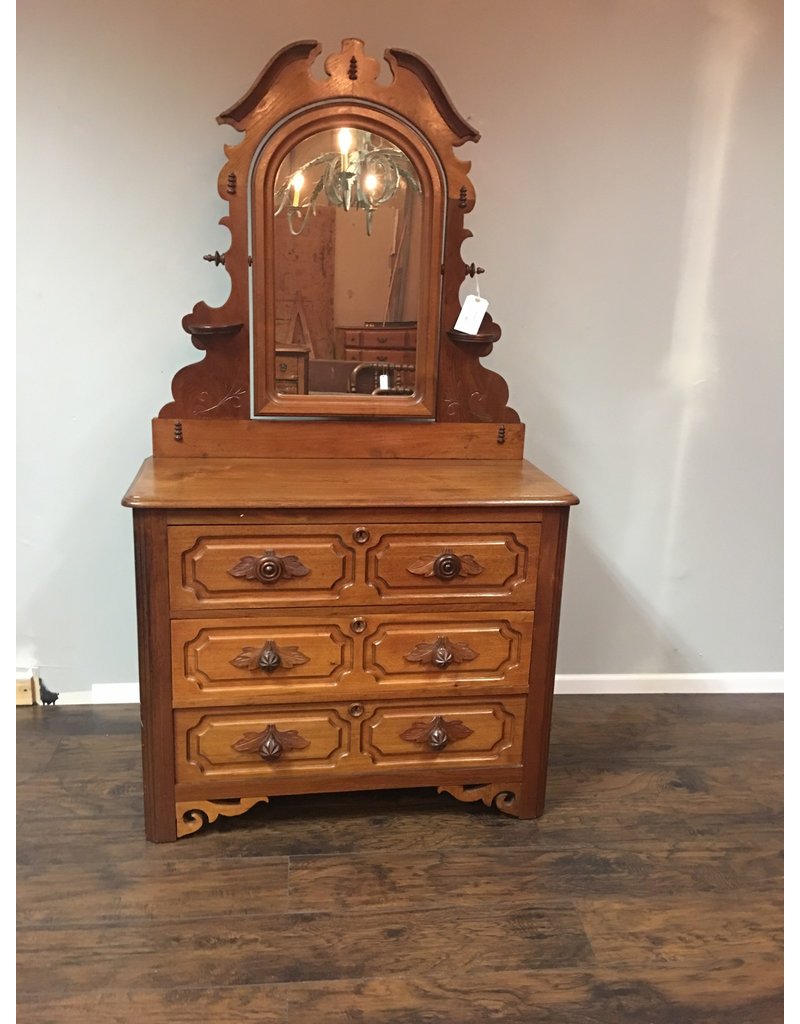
(230, 566)
(365, 565)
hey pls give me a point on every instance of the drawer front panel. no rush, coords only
(218, 567)
(377, 338)
(464, 651)
(379, 355)
(259, 743)
(415, 564)
(236, 661)
(444, 732)
(241, 660)
(288, 366)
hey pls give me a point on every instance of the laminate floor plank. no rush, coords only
(245, 1004)
(270, 948)
(123, 892)
(727, 992)
(399, 881)
(650, 891)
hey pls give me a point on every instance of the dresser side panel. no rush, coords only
(155, 674)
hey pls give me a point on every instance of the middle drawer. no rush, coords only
(244, 660)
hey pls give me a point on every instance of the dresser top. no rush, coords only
(337, 483)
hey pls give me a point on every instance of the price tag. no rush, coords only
(471, 315)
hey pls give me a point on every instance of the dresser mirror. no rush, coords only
(346, 226)
(341, 292)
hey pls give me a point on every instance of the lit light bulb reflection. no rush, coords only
(297, 183)
(345, 141)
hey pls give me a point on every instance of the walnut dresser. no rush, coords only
(341, 591)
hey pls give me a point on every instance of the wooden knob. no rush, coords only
(269, 568)
(447, 566)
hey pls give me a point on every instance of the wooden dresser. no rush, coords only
(342, 591)
(377, 344)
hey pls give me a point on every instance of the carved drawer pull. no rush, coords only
(269, 567)
(270, 743)
(269, 657)
(441, 653)
(438, 733)
(447, 566)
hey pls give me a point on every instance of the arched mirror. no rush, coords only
(347, 223)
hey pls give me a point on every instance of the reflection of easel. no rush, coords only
(297, 333)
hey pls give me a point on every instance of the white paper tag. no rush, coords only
(471, 315)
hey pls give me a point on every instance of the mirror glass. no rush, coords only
(347, 209)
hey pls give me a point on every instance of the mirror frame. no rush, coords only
(457, 388)
(267, 400)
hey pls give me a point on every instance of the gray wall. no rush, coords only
(629, 216)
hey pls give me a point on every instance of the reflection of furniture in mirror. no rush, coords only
(291, 370)
(377, 341)
(382, 378)
(348, 577)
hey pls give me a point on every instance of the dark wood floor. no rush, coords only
(648, 893)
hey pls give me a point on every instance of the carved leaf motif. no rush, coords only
(292, 566)
(430, 653)
(253, 658)
(462, 652)
(251, 567)
(417, 733)
(270, 737)
(247, 659)
(291, 656)
(422, 652)
(470, 566)
(456, 730)
(438, 733)
(246, 567)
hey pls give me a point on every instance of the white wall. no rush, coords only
(629, 216)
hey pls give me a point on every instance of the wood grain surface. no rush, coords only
(649, 892)
(197, 483)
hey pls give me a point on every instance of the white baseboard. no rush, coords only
(103, 693)
(657, 682)
(663, 682)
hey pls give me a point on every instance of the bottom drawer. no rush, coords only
(262, 742)
(252, 743)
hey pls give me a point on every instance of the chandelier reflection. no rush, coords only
(365, 173)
